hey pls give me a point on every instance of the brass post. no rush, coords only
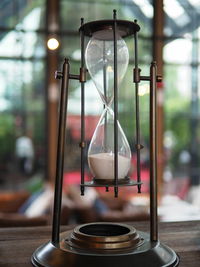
(153, 155)
(60, 151)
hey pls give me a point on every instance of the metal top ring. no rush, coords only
(124, 27)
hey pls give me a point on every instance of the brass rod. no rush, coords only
(153, 155)
(82, 187)
(144, 78)
(60, 153)
(137, 114)
(115, 106)
(74, 77)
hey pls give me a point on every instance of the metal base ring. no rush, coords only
(147, 254)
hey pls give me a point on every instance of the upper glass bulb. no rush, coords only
(99, 57)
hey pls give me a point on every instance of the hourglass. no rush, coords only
(99, 58)
(99, 244)
(107, 58)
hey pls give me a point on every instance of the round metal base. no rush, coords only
(103, 238)
(147, 254)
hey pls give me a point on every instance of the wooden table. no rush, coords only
(18, 244)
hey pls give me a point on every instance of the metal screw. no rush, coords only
(159, 78)
(58, 75)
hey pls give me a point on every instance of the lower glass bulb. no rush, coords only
(101, 156)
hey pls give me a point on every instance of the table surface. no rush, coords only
(18, 244)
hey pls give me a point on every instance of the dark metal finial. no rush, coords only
(82, 190)
(82, 21)
(114, 13)
(116, 191)
(139, 189)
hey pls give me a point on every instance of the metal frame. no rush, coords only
(148, 252)
(153, 78)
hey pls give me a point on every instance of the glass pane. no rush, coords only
(22, 14)
(98, 10)
(182, 101)
(22, 126)
(181, 18)
(22, 44)
(178, 51)
(22, 92)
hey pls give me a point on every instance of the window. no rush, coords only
(22, 92)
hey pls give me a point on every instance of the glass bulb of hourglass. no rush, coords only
(99, 58)
(100, 64)
(101, 149)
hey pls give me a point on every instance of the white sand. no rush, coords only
(102, 165)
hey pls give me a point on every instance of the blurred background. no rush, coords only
(35, 37)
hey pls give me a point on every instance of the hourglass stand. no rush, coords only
(105, 244)
(72, 248)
